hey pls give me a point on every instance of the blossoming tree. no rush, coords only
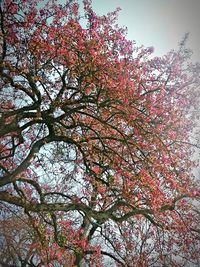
(95, 150)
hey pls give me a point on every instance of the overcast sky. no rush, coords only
(158, 23)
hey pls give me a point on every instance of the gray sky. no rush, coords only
(158, 23)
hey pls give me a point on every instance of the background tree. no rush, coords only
(95, 140)
(17, 239)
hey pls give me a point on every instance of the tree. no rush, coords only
(16, 241)
(95, 146)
